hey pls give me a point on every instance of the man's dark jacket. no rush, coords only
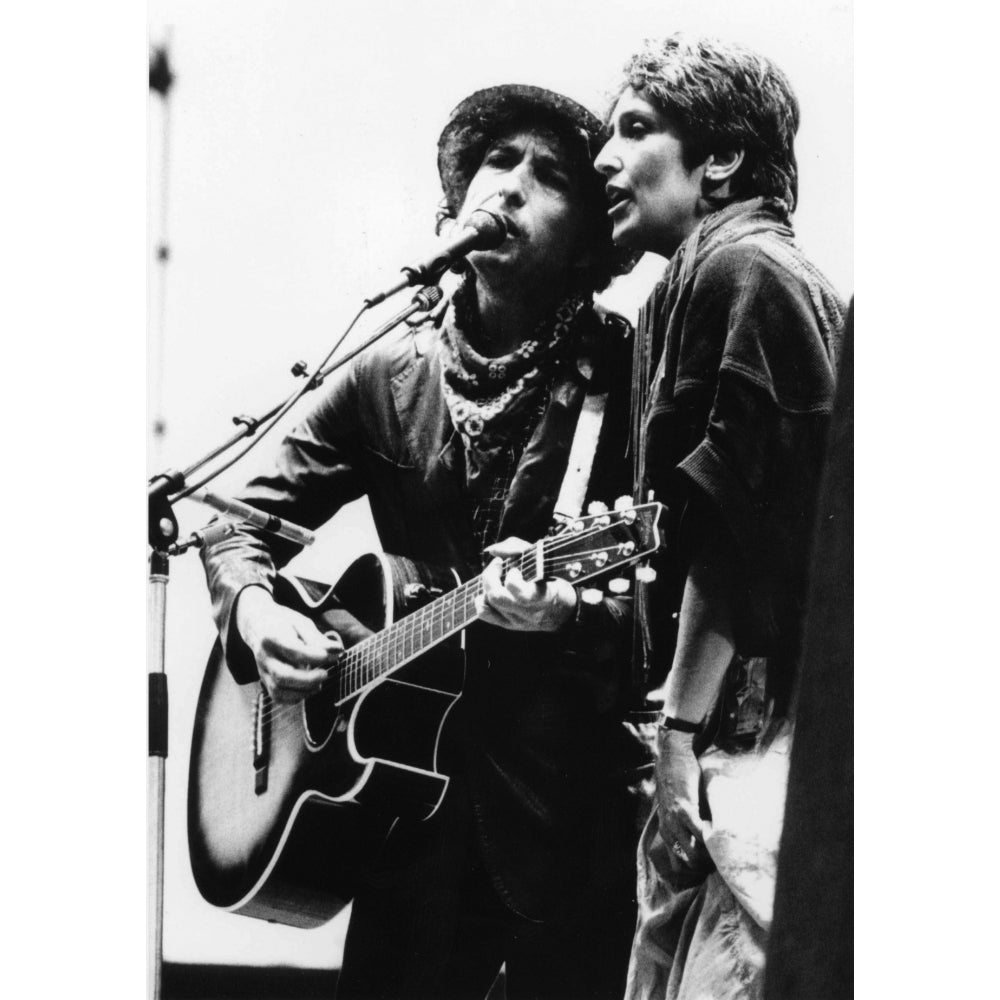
(537, 739)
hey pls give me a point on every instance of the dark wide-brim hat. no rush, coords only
(486, 115)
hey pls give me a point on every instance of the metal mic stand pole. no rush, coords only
(162, 531)
(159, 572)
(159, 575)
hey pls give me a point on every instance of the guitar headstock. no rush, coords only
(598, 542)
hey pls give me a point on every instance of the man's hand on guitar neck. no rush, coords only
(291, 653)
(512, 602)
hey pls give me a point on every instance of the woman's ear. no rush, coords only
(720, 168)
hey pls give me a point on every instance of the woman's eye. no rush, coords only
(636, 130)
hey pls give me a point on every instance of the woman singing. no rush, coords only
(734, 376)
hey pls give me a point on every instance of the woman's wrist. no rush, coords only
(676, 724)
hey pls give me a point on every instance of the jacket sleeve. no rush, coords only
(315, 472)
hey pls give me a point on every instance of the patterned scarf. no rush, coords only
(495, 402)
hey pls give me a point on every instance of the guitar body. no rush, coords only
(288, 805)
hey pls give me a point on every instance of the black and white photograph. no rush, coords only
(510, 611)
(500, 457)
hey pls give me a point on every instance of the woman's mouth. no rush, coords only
(617, 198)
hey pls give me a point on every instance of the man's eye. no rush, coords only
(636, 130)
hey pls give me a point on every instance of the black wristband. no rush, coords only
(680, 725)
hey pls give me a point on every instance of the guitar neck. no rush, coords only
(592, 546)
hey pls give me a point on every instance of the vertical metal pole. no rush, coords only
(156, 767)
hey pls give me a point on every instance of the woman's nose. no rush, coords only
(607, 161)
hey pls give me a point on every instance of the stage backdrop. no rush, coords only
(292, 172)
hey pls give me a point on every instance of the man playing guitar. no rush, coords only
(459, 432)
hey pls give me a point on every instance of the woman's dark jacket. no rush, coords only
(738, 346)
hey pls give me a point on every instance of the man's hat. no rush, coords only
(487, 114)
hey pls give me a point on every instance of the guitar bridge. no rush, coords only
(261, 741)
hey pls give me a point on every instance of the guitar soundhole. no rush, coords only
(322, 717)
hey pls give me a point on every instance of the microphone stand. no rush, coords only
(164, 490)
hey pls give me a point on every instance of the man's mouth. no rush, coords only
(513, 229)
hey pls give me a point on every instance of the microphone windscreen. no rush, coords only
(491, 228)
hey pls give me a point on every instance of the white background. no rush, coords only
(74, 443)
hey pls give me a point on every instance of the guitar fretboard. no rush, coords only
(594, 545)
(396, 645)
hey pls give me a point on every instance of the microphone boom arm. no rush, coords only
(166, 488)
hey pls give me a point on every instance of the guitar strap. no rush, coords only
(581, 457)
(573, 491)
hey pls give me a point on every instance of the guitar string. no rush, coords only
(279, 716)
(432, 624)
(394, 638)
(525, 561)
(270, 715)
(371, 659)
(369, 654)
(356, 660)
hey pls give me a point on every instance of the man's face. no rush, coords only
(525, 177)
(654, 198)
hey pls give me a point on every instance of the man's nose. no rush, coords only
(514, 186)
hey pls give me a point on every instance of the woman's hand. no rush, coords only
(678, 778)
(511, 602)
(292, 654)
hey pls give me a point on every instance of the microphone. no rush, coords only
(483, 230)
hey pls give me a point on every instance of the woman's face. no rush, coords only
(655, 200)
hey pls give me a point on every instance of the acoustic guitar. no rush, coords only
(289, 804)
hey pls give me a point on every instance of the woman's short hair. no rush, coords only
(721, 96)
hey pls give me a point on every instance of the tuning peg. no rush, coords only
(645, 574)
(591, 595)
(596, 507)
(623, 503)
(619, 585)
